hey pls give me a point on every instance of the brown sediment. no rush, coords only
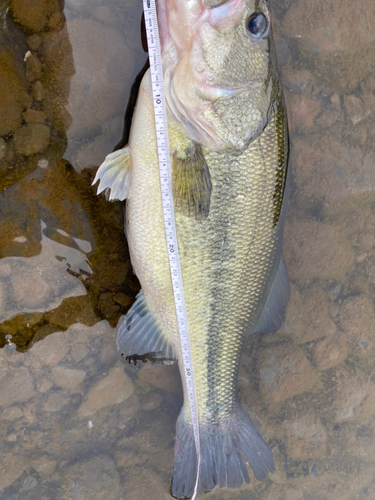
(34, 120)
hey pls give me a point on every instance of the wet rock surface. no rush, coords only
(72, 427)
(75, 423)
(31, 138)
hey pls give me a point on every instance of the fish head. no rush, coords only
(219, 68)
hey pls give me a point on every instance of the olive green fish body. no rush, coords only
(227, 260)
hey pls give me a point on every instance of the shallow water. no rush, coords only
(73, 423)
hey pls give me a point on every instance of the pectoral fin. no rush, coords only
(115, 173)
(191, 182)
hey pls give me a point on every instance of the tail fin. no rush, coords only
(226, 450)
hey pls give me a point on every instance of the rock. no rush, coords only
(113, 389)
(78, 352)
(52, 349)
(351, 393)
(22, 286)
(131, 27)
(34, 68)
(34, 41)
(320, 31)
(3, 148)
(38, 91)
(97, 89)
(33, 15)
(331, 352)
(132, 4)
(44, 384)
(141, 447)
(105, 15)
(109, 353)
(89, 153)
(51, 265)
(368, 492)
(44, 465)
(163, 377)
(82, 334)
(17, 386)
(307, 316)
(141, 482)
(123, 299)
(282, 52)
(334, 290)
(58, 67)
(56, 401)
(316, 250)
(44, 163)
(29, 483)
(13, 96)
(356, 316)
(31, 138)
(81, 5)
(34, 116)
(328, 118)
(11, 438)
(305, 437)
(55, 19)
(323, 26)
(3, 298)
(346, 171)
(302, 111)
(355, 108)
(5, 269)
(68, 378)
(11, 413)
(297, 82)
(151, 402)
(353, 215)
(284, 372)
(12, 466)
(94, 478)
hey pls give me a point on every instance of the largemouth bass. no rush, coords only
(229, 151)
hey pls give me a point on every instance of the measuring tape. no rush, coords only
(158, 95)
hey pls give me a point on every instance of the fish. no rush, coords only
(229, 150)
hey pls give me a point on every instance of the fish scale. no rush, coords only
(225, 331)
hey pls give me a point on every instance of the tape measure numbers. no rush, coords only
(156, 69)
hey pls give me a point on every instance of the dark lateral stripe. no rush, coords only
(282, 161)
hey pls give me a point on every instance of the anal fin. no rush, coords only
(273, 311)
(114, 173)
(140, 337)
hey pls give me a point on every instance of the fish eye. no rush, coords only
(257, 25)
